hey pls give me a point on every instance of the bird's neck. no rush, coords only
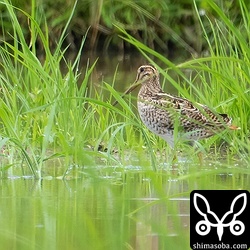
(150, 88)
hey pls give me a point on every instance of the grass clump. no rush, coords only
(36, 96)
(47, 113)
(219, 80)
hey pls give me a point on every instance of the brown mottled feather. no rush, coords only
(162, 112)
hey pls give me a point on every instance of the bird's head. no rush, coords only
(146, 73)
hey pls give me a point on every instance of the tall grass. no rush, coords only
(53, 117)
(219, 80)
(55, 122)
(47, 113)
(36, 97)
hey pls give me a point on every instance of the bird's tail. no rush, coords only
(233, 127)
(228, 121)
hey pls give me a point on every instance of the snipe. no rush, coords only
(162, 113)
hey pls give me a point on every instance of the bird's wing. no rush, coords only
(192, 115)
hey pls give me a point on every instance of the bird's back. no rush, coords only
(163, 113)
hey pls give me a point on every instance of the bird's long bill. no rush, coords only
(129, 90)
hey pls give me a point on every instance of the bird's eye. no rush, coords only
(141, 69)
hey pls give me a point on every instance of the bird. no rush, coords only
(163, 113)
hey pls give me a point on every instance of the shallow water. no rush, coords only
(137, 210)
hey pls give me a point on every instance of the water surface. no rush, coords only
(137, 210)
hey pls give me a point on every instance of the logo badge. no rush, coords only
(219, 217)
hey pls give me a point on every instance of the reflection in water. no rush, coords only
(139, 211)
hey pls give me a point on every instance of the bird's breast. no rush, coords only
(155, 118)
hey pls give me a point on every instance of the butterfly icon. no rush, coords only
(203, 227)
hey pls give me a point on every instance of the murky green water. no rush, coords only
(138, 210)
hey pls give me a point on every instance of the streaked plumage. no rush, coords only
(162, 112)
